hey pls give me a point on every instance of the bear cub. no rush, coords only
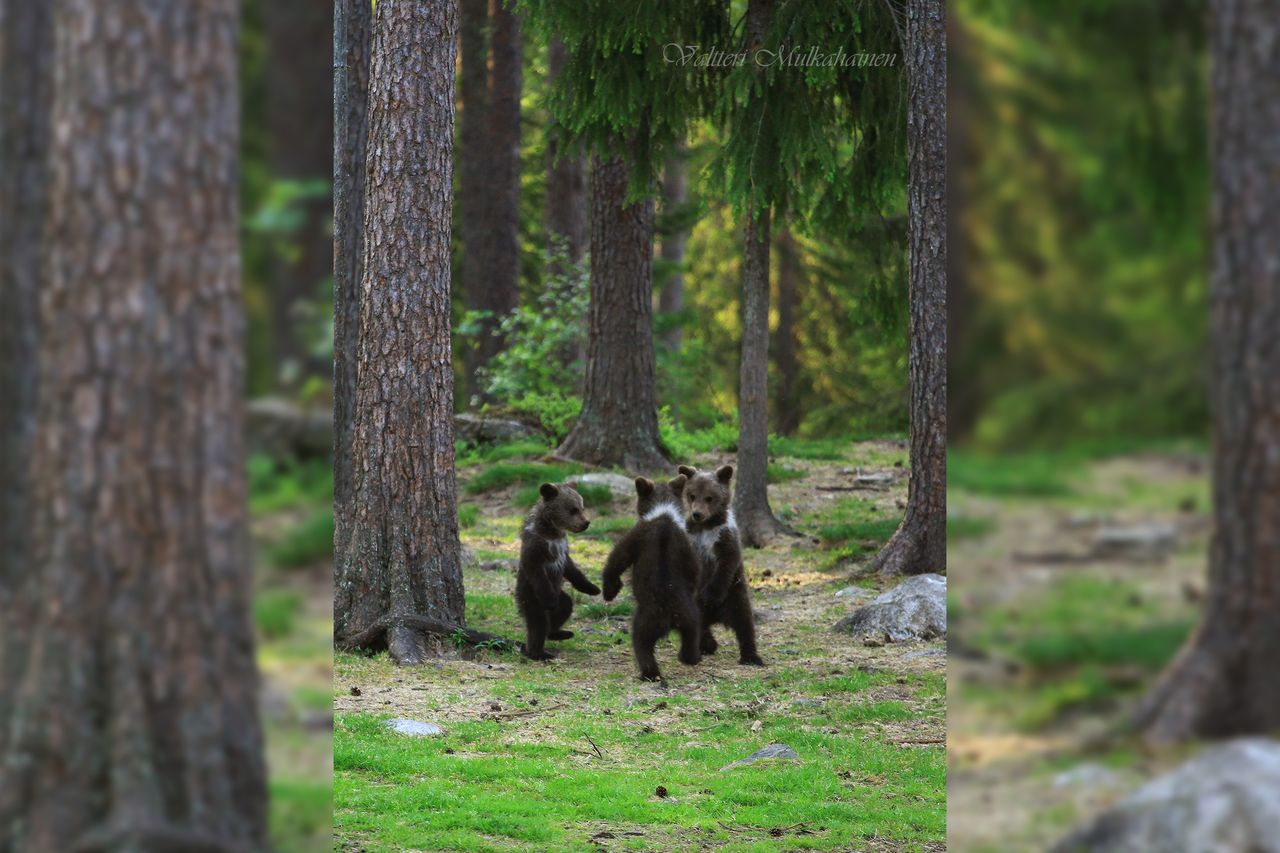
(664, 576)
(723, 594)
(545, 566)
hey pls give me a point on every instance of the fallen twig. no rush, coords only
(510, 715)
(594, 746)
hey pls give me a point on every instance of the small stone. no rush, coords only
(773, 750)
(355, 691)
(757, 726)
(413, 728)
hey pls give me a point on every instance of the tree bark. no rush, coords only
(473, 189)
(675, 193)
(619, 420)
(353, 26)
(920, 543)
(401, 555)
(964, 388)
(491, 265)
(26, 54)
(566, 202)
(787, 414)
(756, 520)
(1224, 683)
(299, 133)
(134, 725)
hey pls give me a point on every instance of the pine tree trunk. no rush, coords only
(134, 725)
(566, 202)
(964, 386)
(1224, 681)
(299, 148)
(26, 54)
(619, 420)
(401, 555)
(472, 158)
(353, 25)
(491, 264)
(920, 543)
(787, 414)
(756, 520)
(675, 192)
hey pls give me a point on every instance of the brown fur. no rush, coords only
(664, 576)
(545, 565)
(723, 594)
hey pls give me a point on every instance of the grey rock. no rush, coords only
(768, 616)
(1225, 800)
(413, 728)
(915, 609)
(281, 428)
(877, 480)
(482, 429)
(773, 750)
(1143, 540)
(621, 485)
(499, 565)
(855, 593)
(1086, 775)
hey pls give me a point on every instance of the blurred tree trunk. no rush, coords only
(787, 412)
(675, 193)
(619, 420)
(920, 543)
(299, 113)
(491, 265)
(566, 202)
(756, 520)
(26, 76)
(401, 555)
(1224, 682)
(353, 25)
(472, 159)
(135, 724)
(964, 396)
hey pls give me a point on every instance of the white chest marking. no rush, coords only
(559, 553)
(705, 540)
(671, 511)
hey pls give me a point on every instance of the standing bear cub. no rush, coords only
(664, 576)
(723, 594)
(545, 566)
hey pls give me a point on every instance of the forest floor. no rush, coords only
(1081, 579)
(292, 529)
(578, 754)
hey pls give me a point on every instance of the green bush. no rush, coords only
(274, 611)
(468, 515)
(308, 542)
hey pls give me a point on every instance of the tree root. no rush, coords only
(377, 636)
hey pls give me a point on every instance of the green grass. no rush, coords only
(539, 784)
(275, 485)
(475, 455)
(306, 543)
(468, 515)
(969, 527)
(503, 475)
(301, 814)
(779, 473)
(1044, 474)
(274, 611)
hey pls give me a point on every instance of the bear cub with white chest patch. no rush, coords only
(664, 576)
(545, 565)
(723, 594)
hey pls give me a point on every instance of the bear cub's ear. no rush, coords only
(724, 473)
(677, 485)
(644, 487)
(548, 491)
(687, 471)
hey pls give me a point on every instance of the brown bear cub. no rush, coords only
(723, 595)
(545, 566)
(664, 576)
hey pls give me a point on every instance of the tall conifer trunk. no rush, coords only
(133, 724)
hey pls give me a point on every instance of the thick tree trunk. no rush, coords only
(964, 397)
(26, 55)
(134, 725)
(1224, 681)
(675, 193)
(920, 543)
(401, 555)
(619, 420)
(299, 132)
(787, 410)
(566, 201)
(751, 495)
(491, 264)
(472, 161)
(353, 27)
